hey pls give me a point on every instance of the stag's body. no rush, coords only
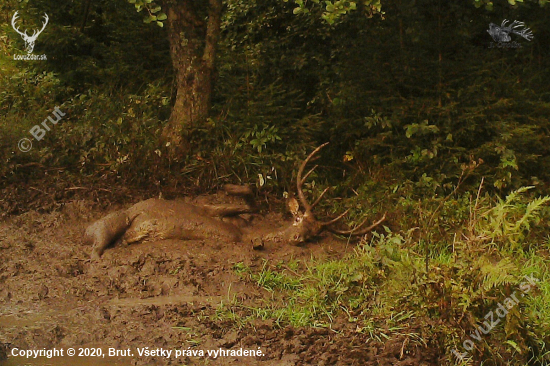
(157, 219)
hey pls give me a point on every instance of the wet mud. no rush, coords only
(161, 294)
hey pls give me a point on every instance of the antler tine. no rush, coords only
(300, 180)
(46, 18)
(15, 28)
(516, 24)
(526, 33)
(36, 32)
(319, 198)
(308, 174)
(328, 223)
(354, 232)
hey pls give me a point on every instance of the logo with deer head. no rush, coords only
(502, 33)
(29, 40)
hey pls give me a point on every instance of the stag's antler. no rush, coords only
(36, 33)
(13, 20)
(514, 26)
(29, 40)
(300, 181)
(309, 208)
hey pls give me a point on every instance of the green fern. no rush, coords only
(531, 214)
(494, 275)
(508, 221)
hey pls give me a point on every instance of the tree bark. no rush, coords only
(193, 32)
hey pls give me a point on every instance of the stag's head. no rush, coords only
(305, 225)
(29, 40)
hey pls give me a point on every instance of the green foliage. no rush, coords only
(417, 107)
(26, 91)
(152, 9)
(320, 293)
(110, 46)
(107, 144)
(273, 280)
(259, 139)
(510, 219)
(488, 4)
(425, 113)
(333, 10)
(383, 290)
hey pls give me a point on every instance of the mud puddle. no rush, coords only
(32, 320)
(164, 300)
(9, 321)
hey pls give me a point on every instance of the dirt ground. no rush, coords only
(157, 295)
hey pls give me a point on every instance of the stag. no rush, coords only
(29, 40)
(157, 219)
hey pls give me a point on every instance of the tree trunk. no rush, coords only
(193, 44)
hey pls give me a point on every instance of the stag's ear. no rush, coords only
(293, 206)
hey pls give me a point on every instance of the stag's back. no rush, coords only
(159, 219)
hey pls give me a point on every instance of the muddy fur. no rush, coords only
(157, 219)
(105, 231)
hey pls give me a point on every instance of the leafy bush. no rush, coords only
(384, 289)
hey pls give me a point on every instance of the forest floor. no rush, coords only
(162, 295)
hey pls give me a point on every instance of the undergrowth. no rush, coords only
(382, 289)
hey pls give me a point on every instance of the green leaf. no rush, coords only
(161, 16)
(160, 24)
(150, 18)
(514, 344)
